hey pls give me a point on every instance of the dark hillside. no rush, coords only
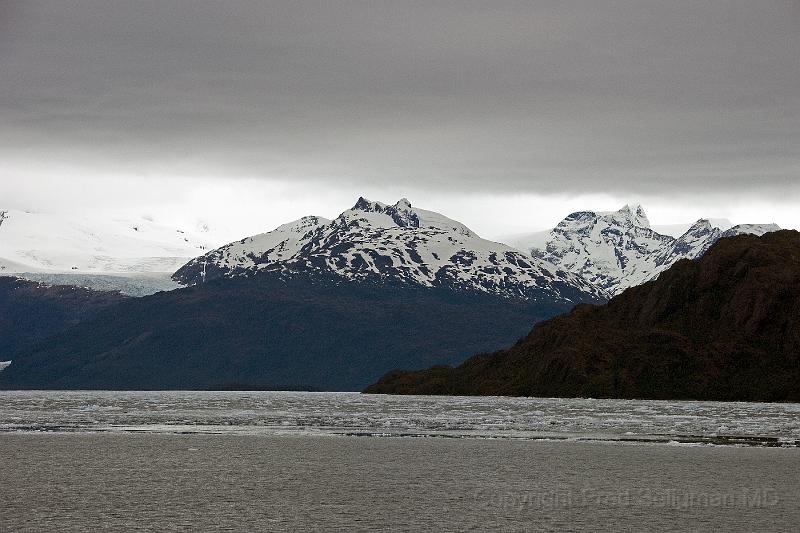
(263, 332)
(723, 327)
(31, 311)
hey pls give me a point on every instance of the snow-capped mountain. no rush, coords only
(676, 230)
(618, 250)
(58, 243)
(396, 243)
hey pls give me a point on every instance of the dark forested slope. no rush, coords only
(30, 311)
(264, 332)
(725, 327)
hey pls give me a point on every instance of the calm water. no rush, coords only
(81, 461)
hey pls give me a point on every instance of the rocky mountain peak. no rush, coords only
(362, 204)
(619, 249)
(392, 243)
(403, 204)
(635, 213)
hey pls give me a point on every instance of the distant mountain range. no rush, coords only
(375, 241)
(323, 304)
(315, 303)
(618, 250)
(588, 252)
(723, 327)
(610, 251)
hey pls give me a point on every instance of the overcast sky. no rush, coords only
(505, 115)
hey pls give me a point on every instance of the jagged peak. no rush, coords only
(403, 204)
(363, 204)
(368, 205)
(635, 213)
(700, 229)
(703, 223)
(401, 212)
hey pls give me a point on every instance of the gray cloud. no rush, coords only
(638, 96)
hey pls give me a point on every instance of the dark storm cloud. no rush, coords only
(618, 97)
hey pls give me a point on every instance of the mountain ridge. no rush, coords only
(618, 249)
(723, 327)
(376, 240)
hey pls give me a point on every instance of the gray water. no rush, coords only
(189, 461)
(303, 413)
